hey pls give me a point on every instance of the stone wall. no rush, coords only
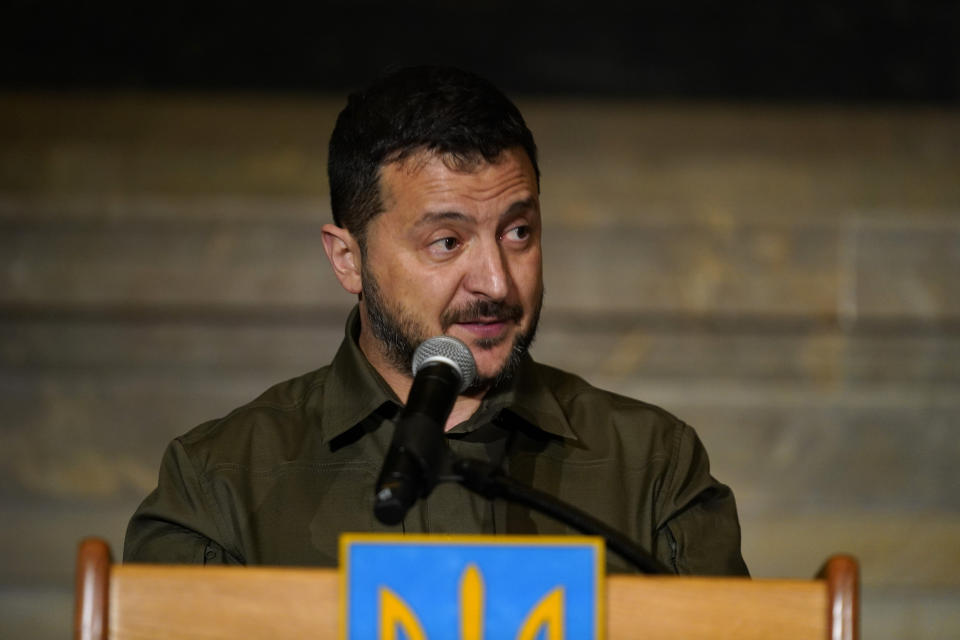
(784, 278)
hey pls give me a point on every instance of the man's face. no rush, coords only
(457, 253)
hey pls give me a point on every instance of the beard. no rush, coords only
(400, 334)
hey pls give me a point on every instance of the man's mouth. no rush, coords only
(484, 320)
(484, 327)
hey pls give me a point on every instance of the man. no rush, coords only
(435, 195)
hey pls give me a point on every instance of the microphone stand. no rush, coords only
(488, 481)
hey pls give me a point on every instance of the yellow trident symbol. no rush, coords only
(396, 614)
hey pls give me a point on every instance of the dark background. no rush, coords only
(890, 50)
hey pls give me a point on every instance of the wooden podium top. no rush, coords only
(155, 601)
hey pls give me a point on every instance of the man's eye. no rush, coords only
(446, 244)
(521, 232)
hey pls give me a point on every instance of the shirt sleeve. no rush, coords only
(698, 531)
(176, 523)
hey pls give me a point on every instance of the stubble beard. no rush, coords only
(399, 334)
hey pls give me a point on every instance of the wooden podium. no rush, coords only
(130, 601)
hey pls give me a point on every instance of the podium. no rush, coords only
(138, 601)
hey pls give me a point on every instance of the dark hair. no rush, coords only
(448, 111)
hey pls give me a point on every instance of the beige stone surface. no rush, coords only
(846, 271)
(783, 278)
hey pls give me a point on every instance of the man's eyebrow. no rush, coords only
(520, 206)
(442, 216)
(432, 217)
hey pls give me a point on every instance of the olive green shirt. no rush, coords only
(277, 480)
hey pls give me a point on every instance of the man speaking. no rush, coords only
(434, 188)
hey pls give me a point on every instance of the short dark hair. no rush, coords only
(449, 111)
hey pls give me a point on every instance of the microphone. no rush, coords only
(443, 368)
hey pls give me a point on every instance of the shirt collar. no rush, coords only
(529, 398)
(354, 390)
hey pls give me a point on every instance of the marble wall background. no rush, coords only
(784, 278)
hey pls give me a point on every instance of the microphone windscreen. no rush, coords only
(451, 351)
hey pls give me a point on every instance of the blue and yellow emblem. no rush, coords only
(471, 587)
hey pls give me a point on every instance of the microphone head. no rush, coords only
(450, 351)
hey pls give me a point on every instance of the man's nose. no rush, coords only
(488, 274)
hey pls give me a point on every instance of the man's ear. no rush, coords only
(344, 255)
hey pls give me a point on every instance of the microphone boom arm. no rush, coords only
(486, 480)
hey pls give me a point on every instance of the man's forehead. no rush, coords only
(427, 164)
(415, 161)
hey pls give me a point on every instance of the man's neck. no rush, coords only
(464, 406)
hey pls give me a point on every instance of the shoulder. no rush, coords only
(575, 395)
(607, 421)
(273, 425)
